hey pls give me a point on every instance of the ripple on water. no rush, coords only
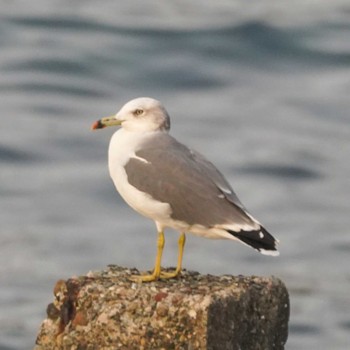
(282, 171)
(303, 328)
(12, 155)
(345, 325)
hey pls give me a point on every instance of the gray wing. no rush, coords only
(218, 179)
(196, 191)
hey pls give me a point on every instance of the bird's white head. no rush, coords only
(140, 114)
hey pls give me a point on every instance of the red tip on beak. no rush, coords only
(97, 125)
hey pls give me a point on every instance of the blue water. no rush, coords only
(261, 89)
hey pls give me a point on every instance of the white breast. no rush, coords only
(121, 148)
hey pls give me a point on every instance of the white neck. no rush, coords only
(124, 143)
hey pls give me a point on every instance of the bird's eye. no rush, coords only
(138, 111)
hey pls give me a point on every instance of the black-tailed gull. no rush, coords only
(173, 185)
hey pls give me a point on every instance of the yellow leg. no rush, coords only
(156, 272)
(182, 241)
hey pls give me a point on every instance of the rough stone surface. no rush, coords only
(105, 310)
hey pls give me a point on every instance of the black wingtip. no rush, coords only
(260, 240)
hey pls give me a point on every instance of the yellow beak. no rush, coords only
(104, 122)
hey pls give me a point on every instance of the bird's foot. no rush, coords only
(155, 276)
(168, 275)
(145, 278)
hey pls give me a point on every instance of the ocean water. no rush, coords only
(262, 89)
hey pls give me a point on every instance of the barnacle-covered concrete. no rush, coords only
(105, 310)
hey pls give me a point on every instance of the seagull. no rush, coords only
(175, 186)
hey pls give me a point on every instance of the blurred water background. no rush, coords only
(262, 88)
